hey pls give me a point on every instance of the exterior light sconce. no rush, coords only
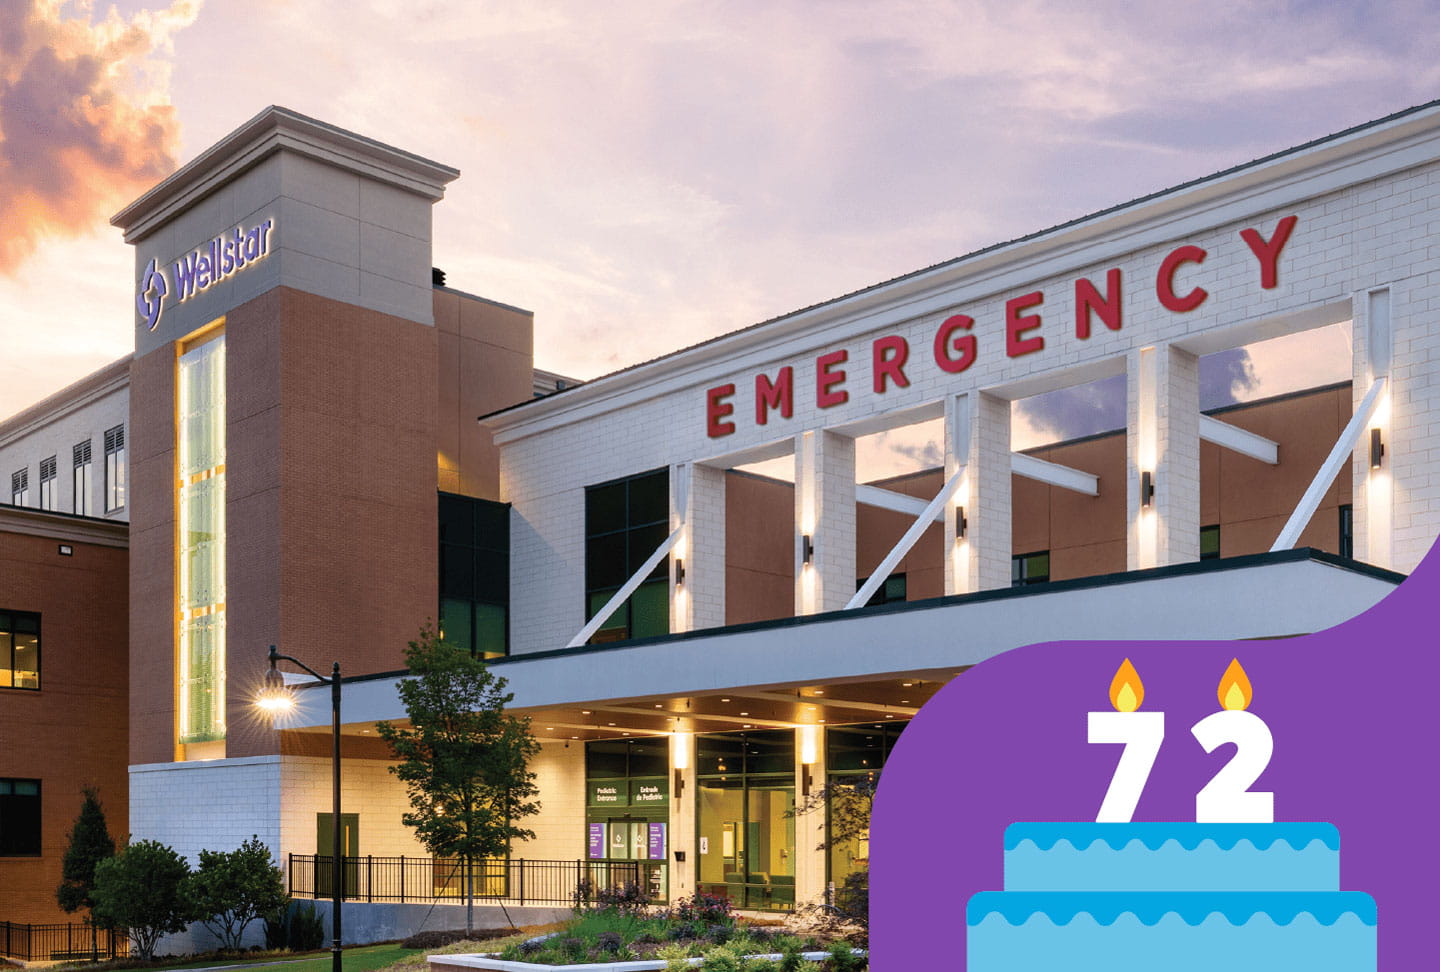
(679, 572)
(68, 551)
(1147, 489)
(809, 753)
(680, 760)
(1377, 449)
(960, 523)
(807, 549)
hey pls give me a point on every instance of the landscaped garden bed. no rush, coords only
(697, 933)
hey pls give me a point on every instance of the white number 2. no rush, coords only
(1227, 797)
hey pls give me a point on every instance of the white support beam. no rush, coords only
(612, 605)
(1055, 474)
(1329, 469)
(1236, 439)
(936, 507)
(888, 499)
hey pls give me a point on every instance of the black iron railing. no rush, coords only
(515, 881)
(73, 941)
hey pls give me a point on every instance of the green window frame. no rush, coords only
(475, 574)
(20, 818)
(1030, 568)
(1210, 542)
(625, 521)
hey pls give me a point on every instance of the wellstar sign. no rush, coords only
(197, 271)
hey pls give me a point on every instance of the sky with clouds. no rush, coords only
(645, 175)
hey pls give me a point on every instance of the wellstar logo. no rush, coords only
(202, 268)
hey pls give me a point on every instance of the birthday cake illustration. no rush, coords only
(1233, 891)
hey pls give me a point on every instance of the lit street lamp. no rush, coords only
(275, 698)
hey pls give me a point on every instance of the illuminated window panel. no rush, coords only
(200, 538)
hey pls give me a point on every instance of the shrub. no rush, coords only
(843, 958)
(231, 889)
(143, 889)
(294, 926)
(719, 934)
(709, 909)
(609, 942)
(721, 959)
(627, 898)
(852, 898)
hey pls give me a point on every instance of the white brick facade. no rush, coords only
(1367, 211)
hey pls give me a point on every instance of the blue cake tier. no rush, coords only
(1175, 931)
(1172, 857)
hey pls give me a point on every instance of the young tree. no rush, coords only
(143, 889)
(90, 843)
(231, 889)
(463, 760)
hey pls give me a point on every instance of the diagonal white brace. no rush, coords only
(1329, 469)
(888, 499)
(922, 523)
(1055, 474)
(627, 589)
(1236, 439)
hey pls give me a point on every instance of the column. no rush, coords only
(824, 512)
(682, 815)
(977, 438)
(1373, 486)
(810, 869)
(697, 497)
(1162, 393)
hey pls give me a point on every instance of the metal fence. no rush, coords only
(424, 879)
(74, 941)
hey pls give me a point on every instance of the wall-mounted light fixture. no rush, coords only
(960, 523)
(809, 754)
(1147, 489)
(679, 572)
(68, 551)
(1377, 449)
(680, 760)
(807, 548)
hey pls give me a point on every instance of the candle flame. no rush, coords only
(1235, 691)
(1126, 689)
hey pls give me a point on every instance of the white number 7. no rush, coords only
(1141, 733)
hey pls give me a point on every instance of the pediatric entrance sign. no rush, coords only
(1240, 805)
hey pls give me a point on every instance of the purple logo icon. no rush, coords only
(151, 298)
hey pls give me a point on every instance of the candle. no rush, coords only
(1140, 732)
(1227, 797)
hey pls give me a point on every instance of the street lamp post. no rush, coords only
(275, 698)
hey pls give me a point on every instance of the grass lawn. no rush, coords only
(365, 958)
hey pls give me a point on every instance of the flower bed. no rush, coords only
(698, 932)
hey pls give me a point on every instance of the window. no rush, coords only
(48, 496)
(19, 650)
(890, 592)
(745, 798)
(854, 756)
(625, 521)
(475, 574)
(1210, 542)
(19, 818)
(20, 487)
(1347, 531)
(81, 453)
(1030, 568)
(114, 469)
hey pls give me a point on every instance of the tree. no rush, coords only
(463, 760)
(849, 803)
(143, 889)
(231, 889)
(90, 843)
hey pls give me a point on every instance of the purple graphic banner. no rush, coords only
(657, 842)
(597, 840)
(1352, 714)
